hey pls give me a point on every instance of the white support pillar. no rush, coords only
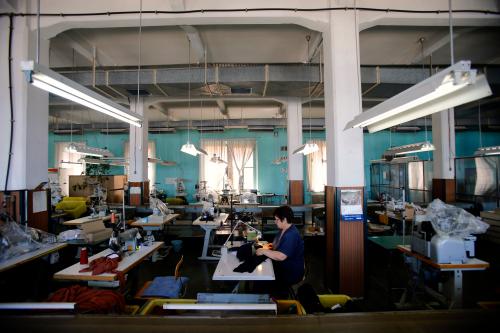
(344, 148)
(344, 260)
(294, 138)
(295, 162)
(443, 138)
(138, 141)
(29, 159)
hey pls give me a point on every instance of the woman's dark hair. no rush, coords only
(283, 212)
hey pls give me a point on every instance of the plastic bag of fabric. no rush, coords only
(16, 240)
(452, 221)
(72, 234)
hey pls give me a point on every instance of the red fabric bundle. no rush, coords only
(102, 265)
(90, 300)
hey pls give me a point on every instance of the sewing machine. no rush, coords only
(441, 249)
(447, 250)
(124, 241)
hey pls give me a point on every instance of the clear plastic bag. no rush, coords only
(17, 240)
(452, 221)
(72, 234)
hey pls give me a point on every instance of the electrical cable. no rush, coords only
(236, 10)
(11, 28)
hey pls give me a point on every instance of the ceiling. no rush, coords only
(269, 60)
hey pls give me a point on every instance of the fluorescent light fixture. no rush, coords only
(161, 129)
(83, 149)
(55, 83)
(453, 86)
(114, 130)
(306, 149)
(405, 159)
(411, 148)
(485, 151)
(217, 159)
(191, 149)
(160, 161)
(118, 161)
(382, 160)
(67, 131)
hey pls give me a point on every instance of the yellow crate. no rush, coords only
(154, 303)
(285, 306)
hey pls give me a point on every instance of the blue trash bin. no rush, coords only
(177, 245)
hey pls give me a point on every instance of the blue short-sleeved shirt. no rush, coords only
(290, 270)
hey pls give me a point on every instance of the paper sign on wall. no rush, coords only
(39, 201)
(351, 207)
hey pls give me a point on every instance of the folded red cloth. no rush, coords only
(102, 265)
(90, 300)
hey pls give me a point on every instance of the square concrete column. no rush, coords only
(443, 138)
(344, 258)
(138, 156)
(30, 105)
(295, 162)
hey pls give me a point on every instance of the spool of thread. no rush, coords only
(84, 256)
(113, 218)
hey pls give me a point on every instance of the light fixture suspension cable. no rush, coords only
(189, 87)
(38, 33)
(140, 49)
(452, 58)
(308, 38)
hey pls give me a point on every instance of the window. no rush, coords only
(151, 166)
(68, 165)
(316, 168)
(228, 162)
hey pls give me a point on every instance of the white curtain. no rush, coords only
(214, 173)
(151, 166)
(316, 168)
(240, 151)
(68, 165)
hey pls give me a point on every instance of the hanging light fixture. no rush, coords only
(188, 147)
(52, 82)
(484, 151)
(309, 147)
(83, 149)
(453, 86)
(411, 148)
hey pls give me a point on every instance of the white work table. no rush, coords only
(155, 222)
(472, 264)
(126, 264)
(23, 258)
(87, 219)
(228, 262)
(208, 226)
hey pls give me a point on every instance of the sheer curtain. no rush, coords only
(316, 168)
(240, 151)
(151, 166)
(68, 165)
(214, 173)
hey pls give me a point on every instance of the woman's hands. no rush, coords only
(263, 249)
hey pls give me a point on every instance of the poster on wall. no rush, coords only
(351, 205)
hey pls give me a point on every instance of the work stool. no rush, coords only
(292, 290)
(165, 286)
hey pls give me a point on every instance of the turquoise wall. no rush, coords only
(271, 178)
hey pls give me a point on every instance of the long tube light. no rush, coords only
(83, 149)
(307, 148)
(55, 83)
(411, 148)
(453, 86)
(484, 151)
(191, 149)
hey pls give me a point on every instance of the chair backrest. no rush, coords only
(177, 272)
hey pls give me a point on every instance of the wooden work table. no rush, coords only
(126, 264)
(23, 258)
(86, 219)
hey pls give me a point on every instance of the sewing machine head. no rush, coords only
(451, 250)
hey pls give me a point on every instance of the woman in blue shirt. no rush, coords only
(287, 249)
